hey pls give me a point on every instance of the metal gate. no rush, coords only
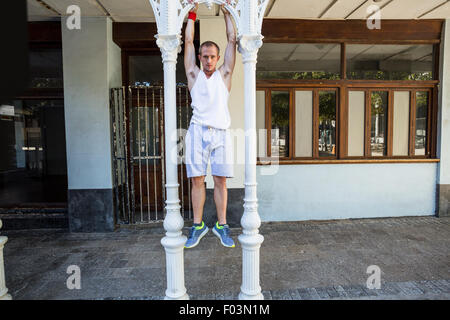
(137, 141)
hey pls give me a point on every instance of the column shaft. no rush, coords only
(250, 239)
(174, 241)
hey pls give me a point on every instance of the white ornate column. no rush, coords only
(168, 40)
(248, 15)
(3, 290)
(250, 40)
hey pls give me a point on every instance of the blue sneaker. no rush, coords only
(223, 233)
(195, 234)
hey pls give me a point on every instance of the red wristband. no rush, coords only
(192, 15)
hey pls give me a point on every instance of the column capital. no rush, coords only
(248, 46)
(170, 46)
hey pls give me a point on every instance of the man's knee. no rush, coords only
(198, 181)
(220, 182)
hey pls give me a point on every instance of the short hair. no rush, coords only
(208, 44)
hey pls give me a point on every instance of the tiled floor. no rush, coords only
(299, 260)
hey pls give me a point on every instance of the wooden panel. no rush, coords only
(141, 181)
(412, 123)
(356, 121)
(342, 123)
(260, 122)
(401, 123)
(390, 124)
(338, 161)
(303, 123)
(351, 31)
(44, 32)
(367, 124)
(316, 124)
(141, 34)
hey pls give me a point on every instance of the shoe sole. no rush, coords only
(199, 238)
(220, 238)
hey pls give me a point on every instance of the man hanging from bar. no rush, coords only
(208, 136)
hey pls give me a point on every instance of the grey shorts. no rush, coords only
(205, 143)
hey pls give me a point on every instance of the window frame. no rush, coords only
(342, 87)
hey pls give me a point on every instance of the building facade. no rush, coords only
(352, 121)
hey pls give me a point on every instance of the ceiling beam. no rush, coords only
(292, 53)
(400, 52)
(433, 9)
(327, 8)
(269, 8)
(421, 58)
(381, 8)
(46, 6)
(360, 53)
(329, 50)
(354, 10)
(99, 5)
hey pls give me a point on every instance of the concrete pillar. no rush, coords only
(3, 289)
(92, 65)
(443, 141)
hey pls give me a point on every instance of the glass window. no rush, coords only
(280, 124)
(389, 62)
(303, 123)
(327, 123)
(298, 61)
(378, 121)
(33, 153)
(145, 132)
(46, 68)
(356, 116)
(421, 122)
(148, 70)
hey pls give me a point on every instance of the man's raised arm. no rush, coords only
(189, 50)
(229, 59)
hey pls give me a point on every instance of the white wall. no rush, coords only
(213, 29)
(92, 65)
(443, 143)
(341, 191)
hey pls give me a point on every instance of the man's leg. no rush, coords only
(198, 194)
(220, 198)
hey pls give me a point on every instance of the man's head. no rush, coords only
(208, 54)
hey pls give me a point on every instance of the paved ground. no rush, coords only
(299, 260)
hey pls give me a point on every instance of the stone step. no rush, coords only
(24, 219)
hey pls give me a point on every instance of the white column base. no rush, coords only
(174, 247)
(250, 288)
(243, 296)
(6, 297)
(3, 290)
(183, 297)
